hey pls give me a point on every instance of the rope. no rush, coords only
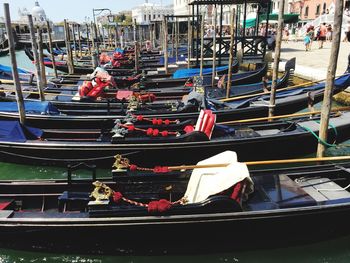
(65, 160)
(317, 137)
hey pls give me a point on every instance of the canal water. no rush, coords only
(331, 251)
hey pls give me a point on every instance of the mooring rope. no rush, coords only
(66, 160)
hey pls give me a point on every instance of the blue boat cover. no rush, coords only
(34, 107)
(8, 70)
(13, 131)
(340, 82)
(186, 73)
(119, 50)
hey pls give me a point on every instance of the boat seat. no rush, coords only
(323, 189)
(73, 200)
(206, 122)
(246, 133)
(281, 191)
(6, 213)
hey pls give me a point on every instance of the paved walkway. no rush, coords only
(313, 64)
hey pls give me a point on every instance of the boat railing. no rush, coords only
(80, 166)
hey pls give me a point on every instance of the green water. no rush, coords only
(332, 251)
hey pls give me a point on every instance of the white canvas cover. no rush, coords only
(205, 182)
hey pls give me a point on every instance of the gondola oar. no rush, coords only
(284, 116)
(283, 89)
(267, 162)
(122, 163)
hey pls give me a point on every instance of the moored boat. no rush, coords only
(170, 210)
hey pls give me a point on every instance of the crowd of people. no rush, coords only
(320, 34)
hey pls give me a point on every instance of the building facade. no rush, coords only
(148, 12)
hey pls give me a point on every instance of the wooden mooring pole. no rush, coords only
(51, 49)
(41, 57)
(230, 60)
(136, 56)
(39, 82)
(189, 41)
(214, 48)
(165, 39)
(93, 50)
(332, 67)
(79, 41)
(276, 59)
(177, 35)
(202, 47)
(69, 50)
(19, 95)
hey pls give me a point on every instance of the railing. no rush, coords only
(326, 18)
(253, 47)
(25, 37)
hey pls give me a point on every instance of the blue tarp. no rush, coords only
(34, 107)
(342, 82)
(13, 131)
(119, 50)
(186, 73)
(7, 69)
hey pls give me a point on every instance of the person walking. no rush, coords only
(322, 35)
(308, 38)
(329, 33)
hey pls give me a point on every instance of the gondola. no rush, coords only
(6, 73)
(80, 69)
(4, 51)
(181, 144)
(148, 212)
(68, 98)
(45, 115)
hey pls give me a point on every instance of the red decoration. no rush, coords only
(133, 167)
(164, 133)
(117, 197)
(149, 131)
(166, 122)
(161, 169)
(237, 190)
(159, 206)
(154, 121)
(155, 132)
(131, 128)
(189, 128)
(139, 117)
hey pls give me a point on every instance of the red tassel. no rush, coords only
(139, 117)
(154, 121)
(155, 132)
(159, 122)
(131, 128)
(149, 131)
(161, 169)
(117, 197)
(159, 206)
(236, 194)
(164, 133)
(133, 167)
(166, 122)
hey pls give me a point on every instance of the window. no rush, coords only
(324, 8)
(306, 13)
(144, 17)
(149, 17)
(318, 7)
(154, 16)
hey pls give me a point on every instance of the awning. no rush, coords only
(288, 18)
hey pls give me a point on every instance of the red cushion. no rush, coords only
(124, 94)
(4, 205)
